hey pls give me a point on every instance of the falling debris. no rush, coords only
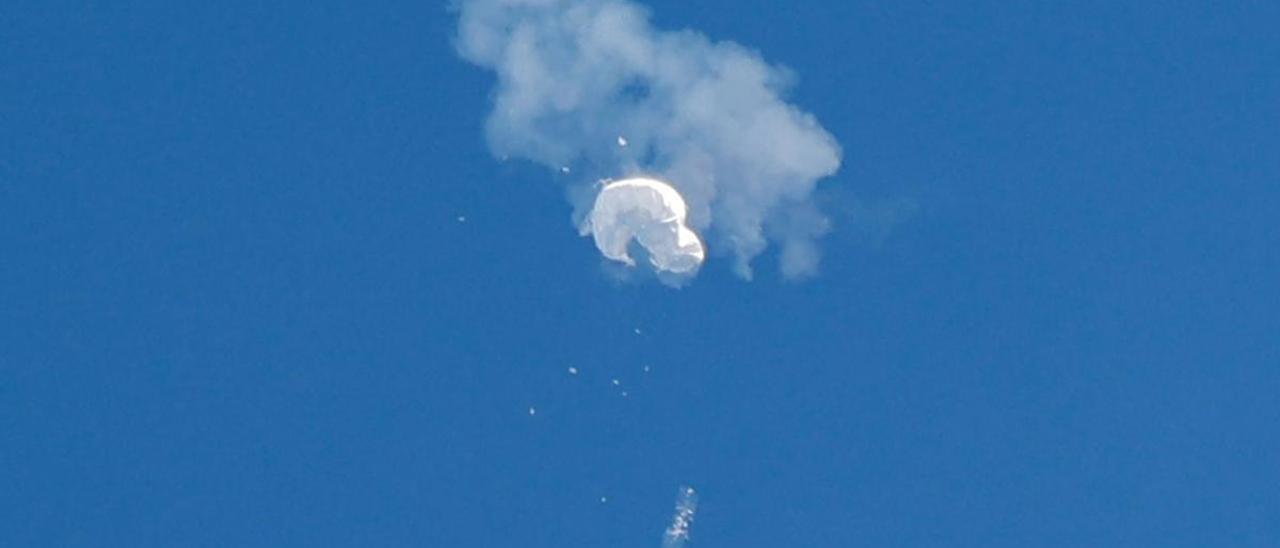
(462, 218)
(637, 330)
(617, 382)
(604, 500)
(624, 393)
(677, 534)
(573, 370)
(532, 411)
(622, 141)
(646, 369)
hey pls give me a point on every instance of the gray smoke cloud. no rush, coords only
(709, 118)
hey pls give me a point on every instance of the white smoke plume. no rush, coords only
(593, 85)
(677, 534)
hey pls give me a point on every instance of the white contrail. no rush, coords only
(677, 534)
(592, 85)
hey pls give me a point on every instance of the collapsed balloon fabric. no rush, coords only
(653, 214)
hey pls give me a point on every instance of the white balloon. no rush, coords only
(653, 214)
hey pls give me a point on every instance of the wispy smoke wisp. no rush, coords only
(707, 117)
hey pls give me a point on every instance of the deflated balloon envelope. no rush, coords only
(653, 214)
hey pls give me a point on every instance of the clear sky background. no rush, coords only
(237, 307)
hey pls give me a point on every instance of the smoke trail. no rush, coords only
(592, 85)
(678, 532)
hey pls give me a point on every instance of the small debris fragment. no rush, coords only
(532, 411)
(617, 382)
(677, 534)
(573, 370)
(622, 141)
(462, 218)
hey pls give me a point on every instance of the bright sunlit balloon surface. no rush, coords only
(653, 214)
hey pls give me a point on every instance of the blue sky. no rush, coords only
(237, 307)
